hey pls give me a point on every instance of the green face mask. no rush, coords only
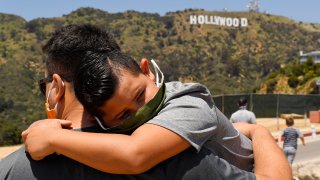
(145, 113)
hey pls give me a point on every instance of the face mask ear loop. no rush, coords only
(100, 124)
(47, 99)
(157, 70)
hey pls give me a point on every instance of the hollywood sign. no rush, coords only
(218, 20)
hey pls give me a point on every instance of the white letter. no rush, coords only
(222, 21)
(201, 19)
(193, 19)
(216, 20)
(244, 22)
(207, 20)
(229, 22)
(235, 22)
(211, 20)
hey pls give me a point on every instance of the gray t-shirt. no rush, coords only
(291, 135)
(243, 115)
(190, 112)
(187, 165)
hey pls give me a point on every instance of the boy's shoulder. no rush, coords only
(177, 88)
(291, 129)
(188, 92)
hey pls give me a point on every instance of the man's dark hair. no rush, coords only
(289, 122)
(69, 44)
(98, 77)
(242, 101)
(89, 57)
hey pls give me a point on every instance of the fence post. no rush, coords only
(305, 118)
(278, 111)
(251, 100)
(222, 99)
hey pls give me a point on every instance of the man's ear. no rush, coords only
(59, 87)
(144, 66)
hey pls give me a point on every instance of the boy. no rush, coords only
(290, 135)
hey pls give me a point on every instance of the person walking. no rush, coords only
(290, 135)
(243, 115)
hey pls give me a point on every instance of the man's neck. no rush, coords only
(75, 112)
(79, 118)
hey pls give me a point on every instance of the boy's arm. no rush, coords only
(302, 140)
(301, 137)
(113, 153)
(266, 152)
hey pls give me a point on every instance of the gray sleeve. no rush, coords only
(209, 166)
(189, 117)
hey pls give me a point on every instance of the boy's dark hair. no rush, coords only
(68, 45)
(289, 122)
(98, 76)
(242, 101)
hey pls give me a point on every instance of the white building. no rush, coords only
(314, 54)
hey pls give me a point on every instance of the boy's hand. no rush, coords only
(38, 136)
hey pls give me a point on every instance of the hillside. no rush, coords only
(227, 60)
(294, 78)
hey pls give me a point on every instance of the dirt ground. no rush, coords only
(276, 124)
(273, 124)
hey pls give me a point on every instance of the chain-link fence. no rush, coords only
(269, 105)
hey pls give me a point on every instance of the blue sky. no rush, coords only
(299, 10)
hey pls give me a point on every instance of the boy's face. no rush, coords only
(132, 92)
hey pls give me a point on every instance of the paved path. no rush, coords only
(309, 152)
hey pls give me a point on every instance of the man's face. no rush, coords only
(132, 92)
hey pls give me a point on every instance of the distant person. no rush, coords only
(243, 115)
(313, 131)
(290, 135)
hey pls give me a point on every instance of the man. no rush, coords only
(243, 115)
(32, 132)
